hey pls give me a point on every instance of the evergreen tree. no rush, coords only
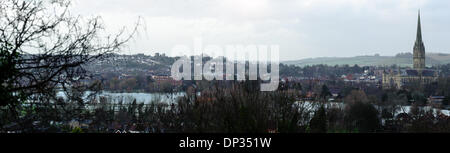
(318, 123)
(325, 92)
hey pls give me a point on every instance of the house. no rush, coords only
(167, 79)
(335, 92)
(436, 101)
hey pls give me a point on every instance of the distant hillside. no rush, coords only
(402, 59)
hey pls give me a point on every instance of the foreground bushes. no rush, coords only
(224, 108)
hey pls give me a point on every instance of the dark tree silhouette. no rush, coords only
(318, 123)
(325, 92)
(43, 46)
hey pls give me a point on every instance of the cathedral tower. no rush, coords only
(419, 49)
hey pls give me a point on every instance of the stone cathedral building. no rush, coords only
(419, 73)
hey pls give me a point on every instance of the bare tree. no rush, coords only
(43, 46)
(48, 46)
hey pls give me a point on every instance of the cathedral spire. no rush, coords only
(419, 30)
(419, 48)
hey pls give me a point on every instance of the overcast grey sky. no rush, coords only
(302, 28)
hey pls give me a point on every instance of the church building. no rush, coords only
(419, 73)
